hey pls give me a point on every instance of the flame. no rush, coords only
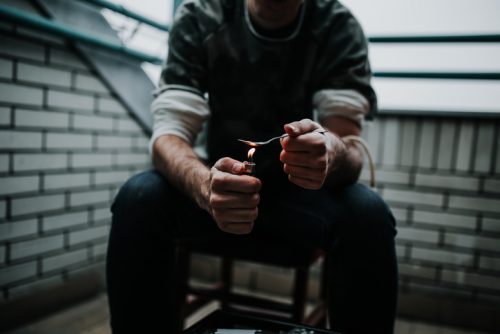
(251, 152)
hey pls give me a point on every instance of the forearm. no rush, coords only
(346, 166)
(176, 160)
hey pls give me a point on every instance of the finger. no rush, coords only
(302, 159)
(305, 183)
(235, 215)
(238, 228)
(234, 201)
(225, 182)
(229, 165)
(297, 128)
(306, 173)
(309, 142)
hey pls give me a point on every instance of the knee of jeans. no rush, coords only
(372, 215)
(141, 193)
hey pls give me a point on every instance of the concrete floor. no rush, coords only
(91, 317)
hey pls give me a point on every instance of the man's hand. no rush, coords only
(233, 198)
(309, 156)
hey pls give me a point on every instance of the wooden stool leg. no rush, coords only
(183, 258)
(226, 280)
(299, 294)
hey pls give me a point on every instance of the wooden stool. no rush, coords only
(271, 253)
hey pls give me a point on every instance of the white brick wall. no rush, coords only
(62, 135)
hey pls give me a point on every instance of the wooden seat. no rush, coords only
(266, 252)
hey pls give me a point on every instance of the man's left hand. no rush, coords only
(307, 155)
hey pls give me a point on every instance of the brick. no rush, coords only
(141, 143)
(68, 140)
(484, 147)
(18, 94)
(128, 125)
(400, 251)
(390, 145)
(491, 185)
(128, 159)
(114, 142)
(2, 255)
(110, 105)
(475, 203)
(19, 272)
(497, 163)
(37, 204)
(100, 250)
(89, 197)
(413, 197)
(71, 101)
(4, 162)
(414, 270)
(64, 260)
(414, 234)
(445, 219)
(38, 119)
(36, 162)
(465, 140)
(64, 181)
(386, 176)
(473, 242)
(489, 263)
(43, 75)
(18, 184)
(90, 83)
(66, 220)
(446, 145)
(38, 285)
(470, 279)
(9, 231)
(11, 139)
(92, 160)
(5, 118)
(111, 177)
(40, 35)
(442, 256)
(6, 68)
(447, 182)
(61, 57)
(35, 247)
(102, 214)
(399, 214)
(3, 210)
(491, 224)
(92, 122)
(87, 235)
(16, 47)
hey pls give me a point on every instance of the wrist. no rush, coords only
(202, 195)
(337, 153)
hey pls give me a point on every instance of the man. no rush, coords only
(255, 69)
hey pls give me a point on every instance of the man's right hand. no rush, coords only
(233, 197)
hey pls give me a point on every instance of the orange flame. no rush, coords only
(250, 153)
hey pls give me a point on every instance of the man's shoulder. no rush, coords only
(330, 16)
(208, 15)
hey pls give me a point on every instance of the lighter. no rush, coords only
(250, 165)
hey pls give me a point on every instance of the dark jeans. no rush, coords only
(353, 225)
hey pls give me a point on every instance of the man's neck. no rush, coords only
(273, 14)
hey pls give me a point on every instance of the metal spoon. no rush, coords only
(261, 143)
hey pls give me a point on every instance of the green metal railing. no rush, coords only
(13, 15)
(16, 16)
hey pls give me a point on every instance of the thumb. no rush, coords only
(229, 165)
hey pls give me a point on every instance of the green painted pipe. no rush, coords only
(16, 16)
(495, 38)
(124, 11)
(439, 75)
